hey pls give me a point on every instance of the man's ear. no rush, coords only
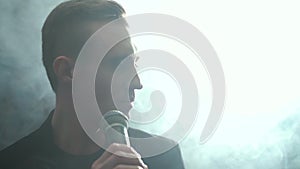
(63, 68)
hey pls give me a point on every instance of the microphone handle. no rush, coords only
(121, 136)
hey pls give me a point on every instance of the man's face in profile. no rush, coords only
(117, 78)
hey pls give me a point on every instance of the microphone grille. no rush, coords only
(114, 117)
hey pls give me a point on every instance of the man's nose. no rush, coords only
(136, 82)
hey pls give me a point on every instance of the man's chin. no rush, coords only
(124, 108)
(122, 105)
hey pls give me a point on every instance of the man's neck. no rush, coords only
(68, 133)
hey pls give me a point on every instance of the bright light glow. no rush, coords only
(258, 45)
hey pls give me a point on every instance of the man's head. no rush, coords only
(64, 33)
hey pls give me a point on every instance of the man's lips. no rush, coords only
(131, 98)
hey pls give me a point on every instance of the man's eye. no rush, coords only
(136, 65)
(136, 59)
(127, 61)
(116, 61)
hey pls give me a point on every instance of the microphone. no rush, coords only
(115, 124)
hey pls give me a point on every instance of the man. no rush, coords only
(61, 143)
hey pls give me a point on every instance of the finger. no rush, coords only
(120, 158)
(122, 147)
(128, 167)
(113, 148)
(118, 154)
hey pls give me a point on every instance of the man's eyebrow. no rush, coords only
(136, 57)
(134, 47)
(133, 56)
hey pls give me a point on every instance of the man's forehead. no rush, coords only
(123, 48)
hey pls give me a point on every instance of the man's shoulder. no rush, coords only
(137, 135)
(18, 150)
(25, 147)
(157, 151)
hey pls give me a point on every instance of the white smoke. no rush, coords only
(26, 99)
(25, 94)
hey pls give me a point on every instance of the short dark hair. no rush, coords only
(63, 33)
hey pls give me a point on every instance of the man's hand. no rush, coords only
(119, 156)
